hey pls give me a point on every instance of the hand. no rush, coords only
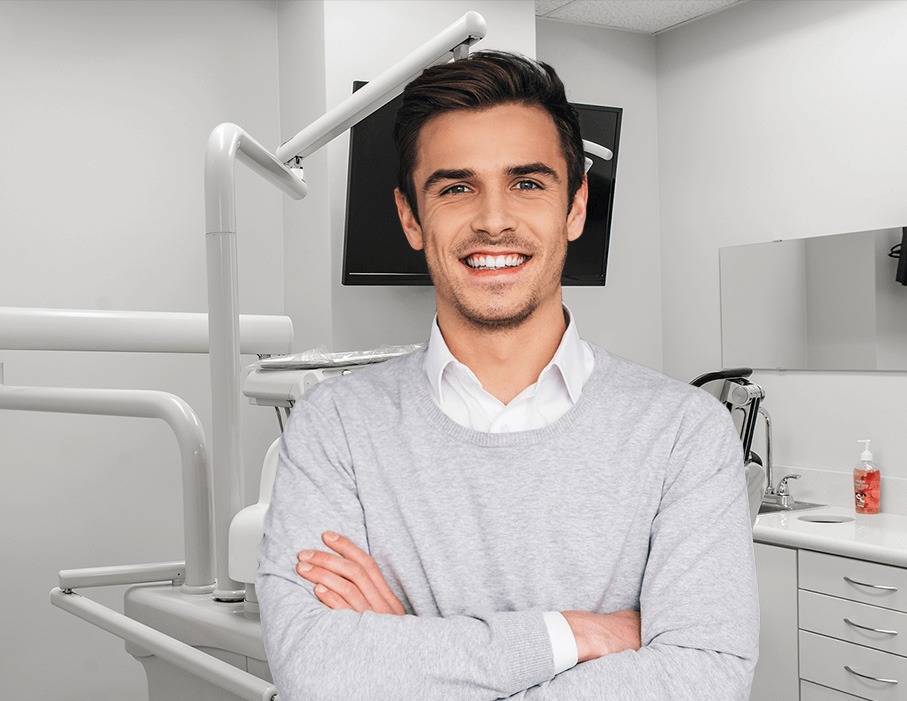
(350, 580)
(600, 634)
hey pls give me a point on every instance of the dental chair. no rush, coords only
(744, 399)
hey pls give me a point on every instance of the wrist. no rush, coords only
(578, 622)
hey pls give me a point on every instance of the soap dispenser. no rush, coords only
(867, 483)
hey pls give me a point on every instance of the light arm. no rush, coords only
(590, 148)
(466, 30)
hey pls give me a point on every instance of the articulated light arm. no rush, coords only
(593, 149)
(227, 144)
(467, 30)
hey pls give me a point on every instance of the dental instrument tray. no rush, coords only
(320, 358)
(281, 380)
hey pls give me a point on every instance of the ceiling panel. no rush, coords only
(646, 16)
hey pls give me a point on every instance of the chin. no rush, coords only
(492, 321)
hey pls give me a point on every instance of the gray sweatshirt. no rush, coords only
(635, 499)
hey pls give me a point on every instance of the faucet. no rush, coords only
(769, 487)
(783, 492)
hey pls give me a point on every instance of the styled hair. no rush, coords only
(484, 79)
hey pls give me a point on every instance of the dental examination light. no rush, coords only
(226, 144)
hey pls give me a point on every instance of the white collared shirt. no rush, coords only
(458, 393)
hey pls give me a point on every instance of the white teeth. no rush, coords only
(480, 262)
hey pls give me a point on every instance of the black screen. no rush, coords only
(375, 251)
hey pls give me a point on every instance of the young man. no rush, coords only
(510, 511)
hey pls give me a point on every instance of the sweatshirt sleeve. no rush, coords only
(317, 653)
(699, 605)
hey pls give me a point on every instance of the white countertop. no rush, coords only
(878, 537)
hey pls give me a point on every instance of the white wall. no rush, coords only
(784, 120)
(606, 67)
(106, 111)
(306, 223)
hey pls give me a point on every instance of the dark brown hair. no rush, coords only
(484, 79)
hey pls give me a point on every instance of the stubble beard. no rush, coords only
(488, 319)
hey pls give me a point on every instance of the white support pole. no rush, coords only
(198, 516)
(232, 679)
(226, 143)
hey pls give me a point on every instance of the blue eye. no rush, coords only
(528, 185)
(455, 190)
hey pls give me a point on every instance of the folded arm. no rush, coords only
(319, 653)
(698, 605)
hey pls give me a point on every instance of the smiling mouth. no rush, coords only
(481, 261)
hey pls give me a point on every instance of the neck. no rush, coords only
(506, 361)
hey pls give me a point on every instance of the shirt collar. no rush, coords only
(568, 359)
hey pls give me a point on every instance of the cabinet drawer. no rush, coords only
(823, 661)
(868, 582)
(814, 692)
(825, 614)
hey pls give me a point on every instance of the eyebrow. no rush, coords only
(465, 173)
(447, 174)
(534, 169)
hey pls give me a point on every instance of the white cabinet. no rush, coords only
(814, 692)
(776, 677)
(853, 627)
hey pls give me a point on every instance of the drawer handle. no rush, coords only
(875, 679)
(872, 586)
(874, 630)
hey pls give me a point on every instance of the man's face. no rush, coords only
(491, 190)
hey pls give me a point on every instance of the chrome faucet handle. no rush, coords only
(783, 488)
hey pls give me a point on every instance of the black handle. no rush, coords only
(721, 375)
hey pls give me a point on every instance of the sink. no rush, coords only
(825, 518)
(769, 508)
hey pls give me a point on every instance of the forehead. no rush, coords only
(498, 136)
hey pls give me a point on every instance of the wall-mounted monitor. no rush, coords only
(375, 251)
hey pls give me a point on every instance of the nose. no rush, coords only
(494, 215)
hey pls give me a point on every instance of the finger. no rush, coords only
(361, 570)
(336, 583)
(331, 599)
(349, 550)
(325, 595)
(353, 573)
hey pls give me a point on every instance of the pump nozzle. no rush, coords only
(866, 455)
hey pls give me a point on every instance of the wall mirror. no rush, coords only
(822, 303)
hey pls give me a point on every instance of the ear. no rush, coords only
(576, 220)
(411, 227)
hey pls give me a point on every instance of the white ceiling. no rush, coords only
(645, 16)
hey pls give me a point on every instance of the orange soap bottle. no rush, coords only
(867, 483)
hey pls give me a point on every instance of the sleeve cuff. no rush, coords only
(563, 643)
